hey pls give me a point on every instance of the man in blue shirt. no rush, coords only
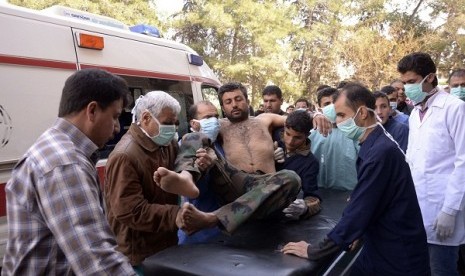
(383, 208)
(398, 130)
(335, 153)
(201, 114)
(391, 93)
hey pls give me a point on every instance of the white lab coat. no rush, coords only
(436, 155)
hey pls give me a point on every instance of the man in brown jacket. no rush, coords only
(144, 218)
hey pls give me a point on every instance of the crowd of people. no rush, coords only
(400, 150)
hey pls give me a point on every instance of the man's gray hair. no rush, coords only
(154, 102)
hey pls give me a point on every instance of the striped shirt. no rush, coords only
(55, 210)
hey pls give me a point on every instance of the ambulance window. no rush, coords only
(180, 90)
(210, 93)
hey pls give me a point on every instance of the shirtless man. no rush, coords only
(247, 141)
(248, 146)
(241, 195)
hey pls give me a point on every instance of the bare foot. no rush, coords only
(176, 183)
(195, 220)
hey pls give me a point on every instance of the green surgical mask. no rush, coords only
(458, 91)
(351, 130)
(414, 91)
(330, 112)
(166, 133)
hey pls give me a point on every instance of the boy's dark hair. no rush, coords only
(88, 85)
(325, 92)
(303, 100)
(299, 121)
(357, 95)
(420, 63)
(273, 90)
(456, 73)
(379, 94)
(229, 87)
(388, 90)
(321, 87)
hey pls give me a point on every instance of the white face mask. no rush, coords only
(393, 105)
(209, 126)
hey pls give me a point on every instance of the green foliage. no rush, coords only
(245, 41)
(301, 44)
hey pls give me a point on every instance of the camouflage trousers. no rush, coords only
(242, 195)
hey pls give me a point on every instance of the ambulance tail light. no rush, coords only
(90, 41)
(195, 59)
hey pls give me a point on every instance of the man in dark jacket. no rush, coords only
(299, 158)
(383, 208)
(144, 218)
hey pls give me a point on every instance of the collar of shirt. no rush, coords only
(369, 141)
(439, 99)
(81, 140)
(429, 101)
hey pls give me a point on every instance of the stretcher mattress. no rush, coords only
(254, 248)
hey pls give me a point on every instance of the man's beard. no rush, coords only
(243, 116)
(401, 105)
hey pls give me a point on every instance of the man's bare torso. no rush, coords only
(248, 145)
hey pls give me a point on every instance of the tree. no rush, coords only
(316, 59)
(244, 41)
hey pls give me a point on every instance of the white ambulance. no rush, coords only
(39, 50)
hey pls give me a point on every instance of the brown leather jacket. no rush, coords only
(141, 215)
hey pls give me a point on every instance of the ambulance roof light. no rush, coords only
(145, 29)
(195, 59)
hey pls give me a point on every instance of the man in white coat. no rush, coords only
(436, 155)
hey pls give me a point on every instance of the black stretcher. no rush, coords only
(254, 248)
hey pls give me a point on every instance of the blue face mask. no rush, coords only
(458, 91)
(166, 133)
(350, 128)
(330, 112)
(210, 126)
(414, 91)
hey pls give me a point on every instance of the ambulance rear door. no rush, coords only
(147, 64)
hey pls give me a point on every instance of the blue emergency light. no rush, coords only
(145, 29)
(195, 59)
